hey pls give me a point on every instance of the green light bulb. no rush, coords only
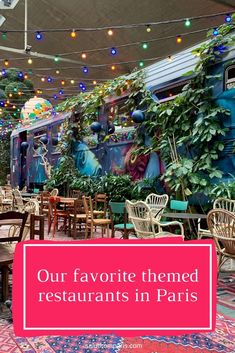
(145, 45)
(187, 23)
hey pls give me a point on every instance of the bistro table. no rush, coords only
(184, 215)
(187, 217)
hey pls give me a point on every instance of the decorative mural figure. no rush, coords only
(41, 152)
(86, 161)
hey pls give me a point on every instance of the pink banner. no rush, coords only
(130, 287)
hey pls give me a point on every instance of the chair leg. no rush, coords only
(107, 231)
(5, 280)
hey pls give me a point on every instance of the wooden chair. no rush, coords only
(100, 200)
(6, 250)
(55, 214)
(77, 215)
(157, 203)
(221, 224)
(146, 226)
(91, 221)
(44, 202)
(118, 209)
(36, 226)
(76, 194)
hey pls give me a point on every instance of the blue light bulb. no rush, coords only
(85, 70)
(38, 35)
(20, 74)
(3, 72)
(55, 96)
(61, 91)
(215, 32)
(49, 79)
(228, 18)
(81, 84)
(113, 51)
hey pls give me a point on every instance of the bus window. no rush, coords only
(170, 92)
(37, 145)
(230, 77)
(119, 115)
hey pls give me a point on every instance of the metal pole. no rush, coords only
(25, 23)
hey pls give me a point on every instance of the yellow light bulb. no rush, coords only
(72, 82)
(83, 55)
(110, 32)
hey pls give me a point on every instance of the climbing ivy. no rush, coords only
(186, 131)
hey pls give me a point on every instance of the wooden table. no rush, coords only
(6, 258)
(184, 215)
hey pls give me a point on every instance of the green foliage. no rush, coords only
(187, 130)
(224, 189)
(63, 176)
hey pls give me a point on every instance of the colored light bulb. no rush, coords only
(187, 23)
(110, 32)
(141, 64)
(73, 34)
(215, 32)
(38, 35)
(30, 61)
(83, 55)
(145, 46)
(85, 70)
(228, 18)
(179, 39)
(148, 28)
(113, 51)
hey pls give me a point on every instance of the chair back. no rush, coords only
(88, 206)
(117, 207)
(13, 218)
(141, 217)
(32, 208)
(225, 204)
(76, 194)
(54, 192)
(100, 199)
(34, 229)
(177, 205)
(18, 201)
(52, 203)
(44, 200)
(157, 203)
(221, 224)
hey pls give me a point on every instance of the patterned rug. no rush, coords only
(222, 340)
(226, 294)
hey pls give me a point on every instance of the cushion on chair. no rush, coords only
(122, 226)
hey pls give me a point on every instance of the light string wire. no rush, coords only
(127, 26)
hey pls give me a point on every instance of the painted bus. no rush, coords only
(165, 80)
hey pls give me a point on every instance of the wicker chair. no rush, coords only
(157, 203)
(54, 192)
(220, 203)
(144, 223)
(221, 224)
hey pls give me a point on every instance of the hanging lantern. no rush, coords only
(24, 145)
(44, 140)
(95, 127)
(138, 116)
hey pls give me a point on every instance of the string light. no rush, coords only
(72, 82)
(61, 91)
(30, 61)
(6, 62)
(83, 55)
(94, 82)
(215, 32)
(49, 79)
(148, 28)
(113, 51)
(113, 67)
(38, 35)
(81, 84)
(25, 76)
(141, 64)
(228, 18)
(56, 59)
(4, 72)
(110, 32)
(57, 72)
(20, 74)
(43, 79)
(55, 96)
(73, 34)
(63, 82)
(10, 95)
(145, 45)
(179, 39)
(187, 23)
(4, 35)
(85, 69)
(83, 88)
